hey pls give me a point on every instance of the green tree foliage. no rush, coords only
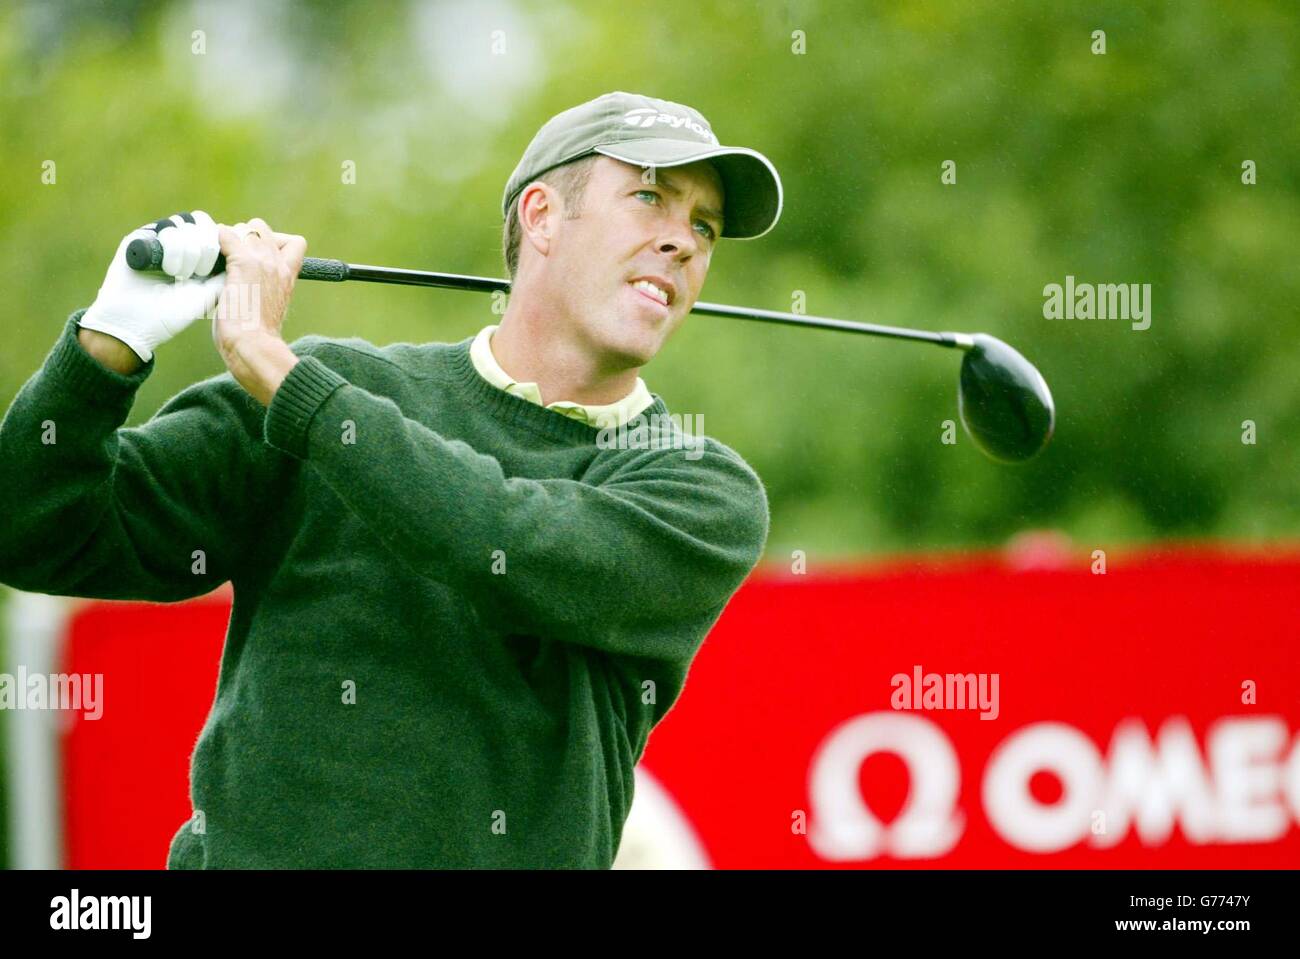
(1122, 167)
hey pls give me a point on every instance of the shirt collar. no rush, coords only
(601, 416)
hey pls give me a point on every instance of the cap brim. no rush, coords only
(752, 188)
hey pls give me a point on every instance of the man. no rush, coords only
(456, 616)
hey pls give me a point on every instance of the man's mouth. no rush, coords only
(657, 289)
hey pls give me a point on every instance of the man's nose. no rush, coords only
(678, 240)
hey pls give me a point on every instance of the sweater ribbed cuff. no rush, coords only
(303, 392)
(85, 376)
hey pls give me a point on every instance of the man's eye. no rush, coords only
(709, 231)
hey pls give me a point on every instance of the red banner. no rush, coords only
(126, 775)
(1145, 718)
(927, 713)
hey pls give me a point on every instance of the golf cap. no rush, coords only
(655, 133)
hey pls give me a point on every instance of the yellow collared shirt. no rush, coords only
(601, 417)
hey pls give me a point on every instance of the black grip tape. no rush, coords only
(146, 253)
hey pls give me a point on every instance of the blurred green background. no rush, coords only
(1117, 168)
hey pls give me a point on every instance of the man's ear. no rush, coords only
(537, 215)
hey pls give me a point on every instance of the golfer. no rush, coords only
(457, 615)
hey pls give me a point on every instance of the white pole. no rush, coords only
(34, 625)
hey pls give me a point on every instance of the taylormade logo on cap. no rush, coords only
(648, 132)
(646, 117)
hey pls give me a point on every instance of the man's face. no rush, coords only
(634, 224)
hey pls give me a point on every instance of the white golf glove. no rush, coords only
(146, 309)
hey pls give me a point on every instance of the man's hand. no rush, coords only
(145, 310)
(261, 269)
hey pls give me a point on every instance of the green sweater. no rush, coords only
(456, 615)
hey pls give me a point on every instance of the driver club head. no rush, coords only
(1004, 401)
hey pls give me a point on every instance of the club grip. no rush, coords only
(316, 268)
(146, 253)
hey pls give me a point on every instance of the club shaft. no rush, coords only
(336, 271)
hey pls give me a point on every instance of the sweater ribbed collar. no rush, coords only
(613, 414)
(517, 411)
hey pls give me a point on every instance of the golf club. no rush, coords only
(1003, 401)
